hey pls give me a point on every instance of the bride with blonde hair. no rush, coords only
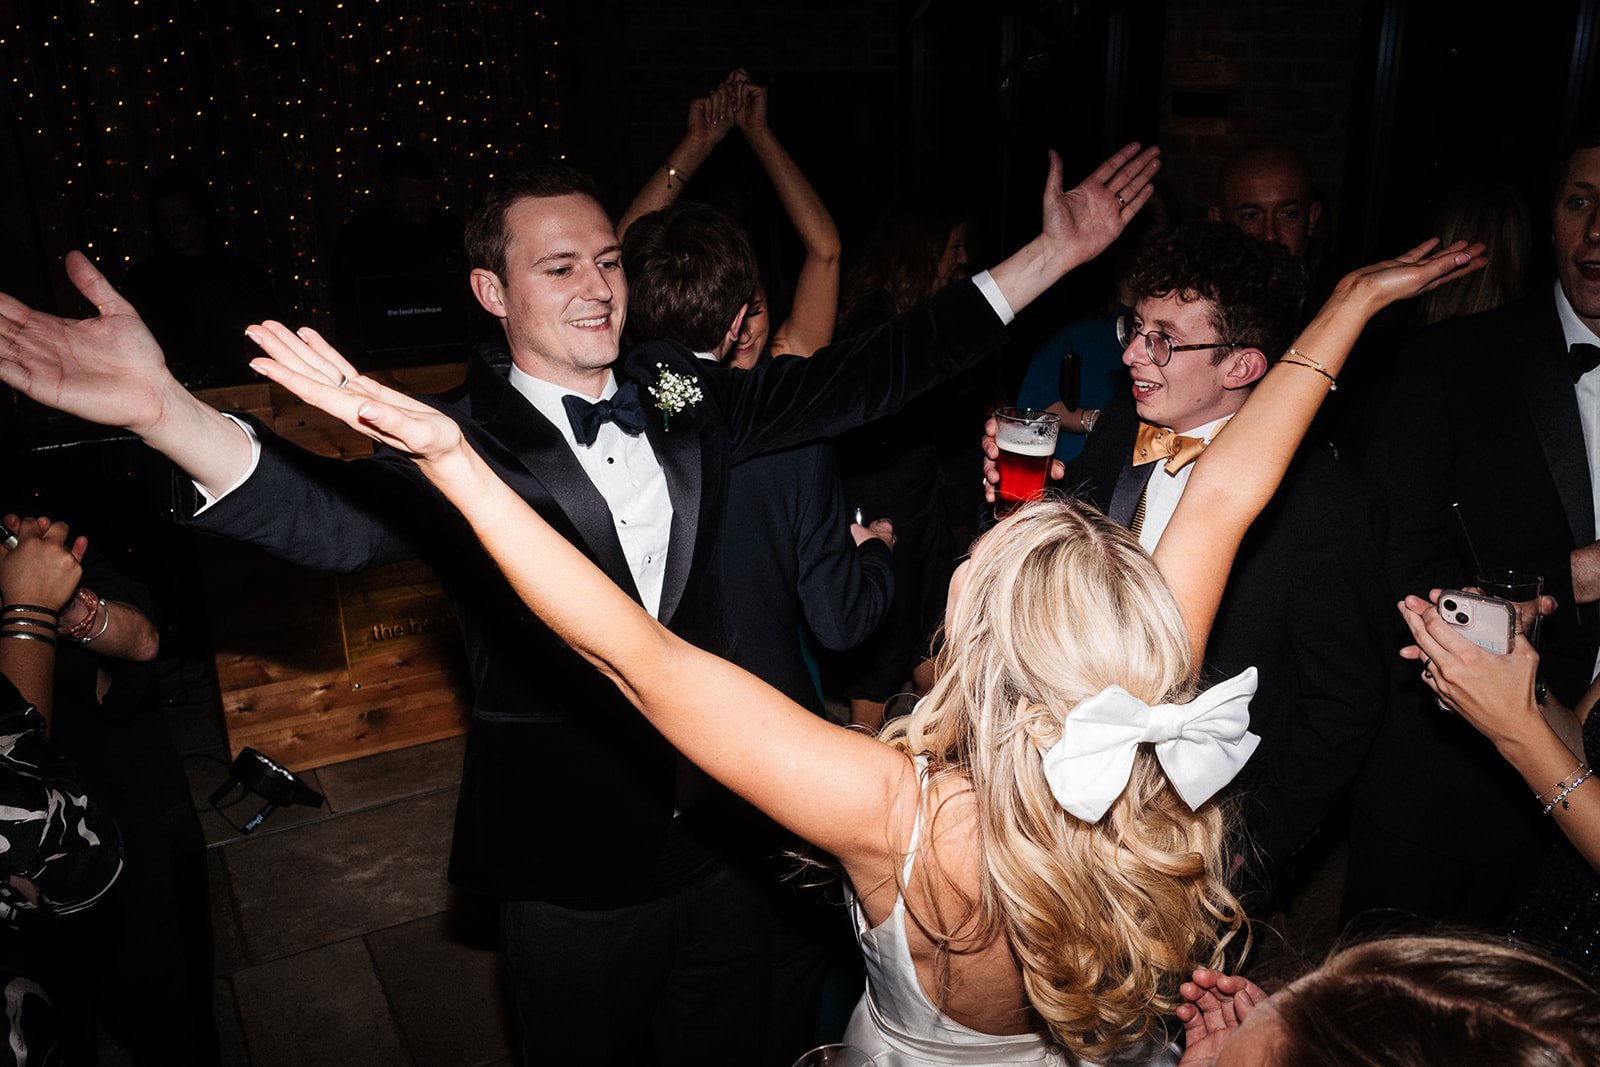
(1035, 855)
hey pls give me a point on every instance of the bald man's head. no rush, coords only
(1265, 190)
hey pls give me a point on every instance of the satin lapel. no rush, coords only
(677, 447)
(1538, 353)
(541, 448)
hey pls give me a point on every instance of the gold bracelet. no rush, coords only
(1310, 364)
(674, 172)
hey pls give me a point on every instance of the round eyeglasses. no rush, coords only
(1158, 347)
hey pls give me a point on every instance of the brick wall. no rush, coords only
(1278, 71)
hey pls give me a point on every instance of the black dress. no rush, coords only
(1562, 913)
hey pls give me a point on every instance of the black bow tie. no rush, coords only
(1585, 358)
(623, 409)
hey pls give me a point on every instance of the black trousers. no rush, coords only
(678, 978)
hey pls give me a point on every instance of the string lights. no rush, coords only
(281, 106)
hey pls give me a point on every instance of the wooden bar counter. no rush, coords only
(320, 668)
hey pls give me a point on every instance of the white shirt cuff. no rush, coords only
(997, 300)
(206, 499)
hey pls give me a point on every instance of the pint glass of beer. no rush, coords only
(1027, 440)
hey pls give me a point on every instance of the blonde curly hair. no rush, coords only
(1106, 920)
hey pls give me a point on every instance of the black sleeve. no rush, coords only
(793, 399)
(844, 589)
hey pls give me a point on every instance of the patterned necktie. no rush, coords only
(1158, 443)
(623, 409)
(1585, 358)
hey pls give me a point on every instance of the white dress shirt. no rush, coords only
(625, 470)
(1163, 491)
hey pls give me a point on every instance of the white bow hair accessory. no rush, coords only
(1202, 745)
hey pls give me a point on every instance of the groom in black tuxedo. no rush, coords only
(621, 927)
(1305, 603)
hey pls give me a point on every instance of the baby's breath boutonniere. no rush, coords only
(673, 392)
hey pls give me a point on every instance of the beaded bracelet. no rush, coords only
(1561, 797)
(95, 604)
(1582, 766)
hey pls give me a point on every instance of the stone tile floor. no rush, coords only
(339, 941)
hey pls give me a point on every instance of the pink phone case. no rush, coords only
(1485, 621)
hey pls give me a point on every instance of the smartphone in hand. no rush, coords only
(1485, 621)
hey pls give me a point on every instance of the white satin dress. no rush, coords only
(898, 1026)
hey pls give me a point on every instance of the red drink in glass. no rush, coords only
(1027, 440)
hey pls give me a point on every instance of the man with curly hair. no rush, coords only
(1306, 603)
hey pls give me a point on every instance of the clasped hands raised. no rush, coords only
(45, 567)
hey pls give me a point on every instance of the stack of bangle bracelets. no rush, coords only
(1558, 795)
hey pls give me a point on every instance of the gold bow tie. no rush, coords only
(1157, 443)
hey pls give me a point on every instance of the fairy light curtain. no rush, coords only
(280, 107)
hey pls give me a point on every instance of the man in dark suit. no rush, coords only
(793, 561)
(1492, 430)
(793, 557)
(1305, 603)
(617, 944)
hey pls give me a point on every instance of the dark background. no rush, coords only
(282, 107)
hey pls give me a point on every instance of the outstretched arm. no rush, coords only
(1238, 474)
(109, 370)
(830, 786)
(1079, 223)
(816, 295)
(710, 119)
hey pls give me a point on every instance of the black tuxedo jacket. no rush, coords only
(1306, 605)
(566, 791)
(1484, 415)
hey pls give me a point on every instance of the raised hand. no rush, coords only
(46, 565)
(107, 369)
(706, 126)
(1218, 1004)
(1078, 223)
(1084, 220)
(313, 370)
(752, 112)
(1422, 269)
(712, 116)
